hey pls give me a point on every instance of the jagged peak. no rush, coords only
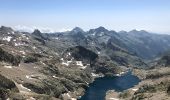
(36, 32)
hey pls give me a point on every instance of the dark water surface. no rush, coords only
(98, 89)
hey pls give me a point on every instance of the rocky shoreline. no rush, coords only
(149, 88)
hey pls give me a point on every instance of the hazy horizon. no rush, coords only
(51, 15)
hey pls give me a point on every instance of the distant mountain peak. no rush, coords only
(136, 31)
(101, 29)
(143, 31)
(77, 29)
(98, 30)
(133, 31)
(6, 29)
(122, 31)
(36, 32)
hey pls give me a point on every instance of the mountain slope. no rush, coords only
(146, 45)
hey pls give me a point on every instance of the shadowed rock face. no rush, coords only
(80, 53)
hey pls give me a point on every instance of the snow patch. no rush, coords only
(95, 75)
(134, 89)
(24, 87)
(79, 63)
(56, 38)
(8, 67)
(23, 52)
(92, 43)
(83, 67)
(28, 77)
(61, 59)
(54, 76)
(19, 44)
(35, 67)
(93, 34)
(42, 63)
(120, 74)
(113, 99)
(101, 34)
(56, 53)
(87, 83)
(8, 38)
(34, 47)
(98, 53)
(65, 63)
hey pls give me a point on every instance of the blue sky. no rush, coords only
(151, 15)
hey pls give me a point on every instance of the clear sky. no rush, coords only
(150, 15)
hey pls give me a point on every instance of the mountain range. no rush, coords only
(62, 64)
